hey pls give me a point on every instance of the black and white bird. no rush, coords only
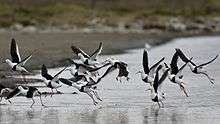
(3, 90)
(28, 92)
(175, 73)
(121, 66)
(148, 74)
(16, 63)
(85, 58)
(156, 95)
(51, 82)
(197, 69)
(85, 87)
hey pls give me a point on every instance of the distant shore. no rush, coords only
(53, 49)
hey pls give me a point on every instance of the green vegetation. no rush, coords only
(80, 12)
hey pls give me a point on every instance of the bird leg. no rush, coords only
(96, 94)
(162, 104)
(209, 78)
(41, 100)
(32, 103)
(183, 89)
(158, 104)
(91, 96)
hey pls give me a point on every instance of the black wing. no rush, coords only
(156, 79)
(183, 56)
(22, 62)
(78, 50)
(79, 65)
(96, 52)
(13, 93)
(60, 72)
(31, 91)
(66, 81)
(163, 77)
(156, 64)
(96, 69)
(145, 62)
(44, 73)
(208, 61)
(173, 65)
(15, 56)
(110, 69)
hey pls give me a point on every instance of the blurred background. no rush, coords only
(51, 26)
(162, 15)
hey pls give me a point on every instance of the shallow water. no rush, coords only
(128, 102)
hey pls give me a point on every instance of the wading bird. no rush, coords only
(197, 69)
(28, 92)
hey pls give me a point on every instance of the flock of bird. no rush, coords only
(86, 75)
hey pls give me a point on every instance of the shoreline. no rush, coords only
(53, 49)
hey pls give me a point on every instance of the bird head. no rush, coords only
(7, 61)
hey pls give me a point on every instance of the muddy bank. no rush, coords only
(53, 49)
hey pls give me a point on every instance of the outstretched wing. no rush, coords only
(97, 68)
(98, 51)
(66, 81)
(23, 62)
(204, 64)
(55, 78)
(163, 77)
(15, 55)
(109, 70)
(173, 64)
(153, 68)
(156, 79)
(44, 73)
(78, 50)
(80, 66)
(145, 62)
(181, 69)
(183, 56)
(13, 93)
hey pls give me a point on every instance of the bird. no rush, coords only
(28, 92)
(16, 64)
(51, 82)
(197, 69)
(85, 58)
(86, 86)
(175, 73)
(121, 66)
(148, 74)
(156, 94)
(4, 89)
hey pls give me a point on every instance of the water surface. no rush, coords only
(128, 102)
